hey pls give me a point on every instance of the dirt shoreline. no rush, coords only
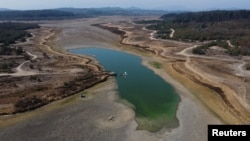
(91, 118)
(204, 116)
(181, 132)
(48, 76)
(231, 111)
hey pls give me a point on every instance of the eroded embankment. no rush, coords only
(213, 96)
(216, 89)
(123, 35)
(60, 75)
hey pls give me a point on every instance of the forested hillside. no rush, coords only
(12, 32)
(207, 26)
(36, 15)
(209, 16)
(73, 13)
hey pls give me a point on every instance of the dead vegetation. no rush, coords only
(57, 75)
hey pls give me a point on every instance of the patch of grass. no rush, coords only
(156, 65)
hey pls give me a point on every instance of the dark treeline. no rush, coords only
(233, 51)
(12, 32)
(209, 16)
(36, 15)
(207, 26)
(9, 34)
(111, 11)
(148, 21)
(201, 50)
(73, 13)
(95, 12)
(17, 26)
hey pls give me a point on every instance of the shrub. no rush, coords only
(199, 50)
(248, 67)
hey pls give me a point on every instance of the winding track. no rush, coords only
(172, 33)
(85, 61)
(239, 69)
(20, 71)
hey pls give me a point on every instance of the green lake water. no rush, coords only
(154, 101)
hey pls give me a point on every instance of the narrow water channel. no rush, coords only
(154, 101)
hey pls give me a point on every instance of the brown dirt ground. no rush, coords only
(56, 75)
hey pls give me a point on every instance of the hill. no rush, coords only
(36, 15)
(73, 13)
(209, 16)
(4, 9)
(222, 26)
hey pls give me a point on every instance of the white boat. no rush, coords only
(125, 74)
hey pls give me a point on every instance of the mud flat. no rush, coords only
(74, 118)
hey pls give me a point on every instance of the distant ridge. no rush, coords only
(73, 13)
(5, 9)
(210, 16)
(103, 11)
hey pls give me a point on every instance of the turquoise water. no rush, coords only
(154, 101)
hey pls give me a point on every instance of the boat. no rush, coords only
(125, 74)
